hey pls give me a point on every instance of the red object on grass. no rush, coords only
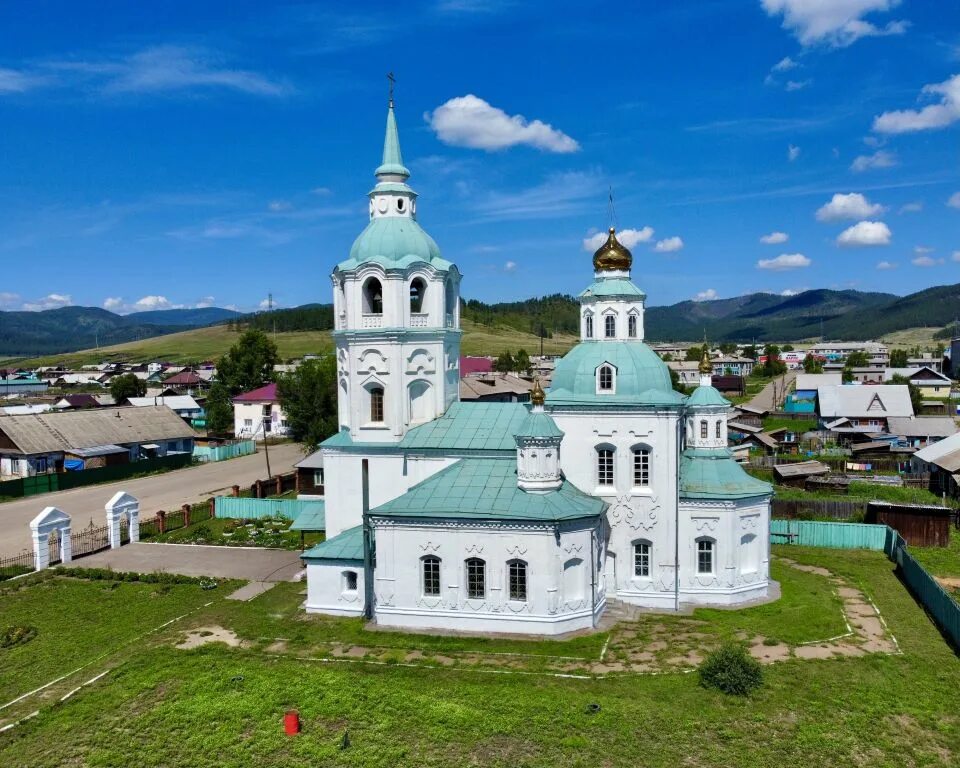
(291, 723)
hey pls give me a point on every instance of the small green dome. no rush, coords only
(394, 242)
(707, 473)
(538, 424)
(703, 397)
(641, 377)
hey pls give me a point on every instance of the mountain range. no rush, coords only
(843, 315)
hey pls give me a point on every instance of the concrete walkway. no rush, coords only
(164, 491)
(264, 566)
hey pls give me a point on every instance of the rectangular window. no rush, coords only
(350, 581)
(703, 430)
(605, 466)
(476, 579)
(376, 404)
(704, 556)
(589, 327)
(431, 576)
(641, 559)
(632, 326)
(606, 377)
(641, 467)
(718, 430)
(610, 326)
(518, 580)
(248, 423)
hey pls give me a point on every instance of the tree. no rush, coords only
(787, 348)
(666, 357)
(750, 352)
(812, 364)
(728, 347)
(675, 382)
(858, 359)
(898, 358)
(309, 399)
(916, 397)
(774, 365)
(693, 354)
(219, 410)
(505, 363)
(127, 385)
(249, 363)
(521, 362)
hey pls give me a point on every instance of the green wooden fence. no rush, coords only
(224, 452)
(254, 509)
(835, 535)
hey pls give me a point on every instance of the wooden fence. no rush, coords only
(809, 509)
(223, 452)
(274, 486)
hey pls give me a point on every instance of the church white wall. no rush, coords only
(327, 588)
(559, 599)
(620, 310)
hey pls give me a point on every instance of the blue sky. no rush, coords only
(185, 153)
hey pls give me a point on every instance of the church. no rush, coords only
(508, 517)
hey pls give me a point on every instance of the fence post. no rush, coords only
(51, 519)
(213, 506)
(186, 514)
(162, 521)
(122, 505)
(236, 490)
(259, 489)
(279, 485)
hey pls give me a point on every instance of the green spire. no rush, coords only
(392, 161)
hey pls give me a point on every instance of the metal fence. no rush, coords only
(254, 509)
(86, 541)
(834, 535)
(16, 565)
(223, 452)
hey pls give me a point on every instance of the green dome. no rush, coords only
(394, 242)
(707, 473)
(642, 378)
(703, 397)
(538, 424)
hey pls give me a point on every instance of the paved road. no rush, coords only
(165, 491)
(764, 398)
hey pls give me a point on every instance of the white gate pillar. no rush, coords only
(51, 519)
(123, 505)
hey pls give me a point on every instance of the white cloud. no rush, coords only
(797, 85)
(8, 299)
(148, 303)
(469, 121)
(669, 245)
(911, 207)
(954, 200)
(322, 191)
(775, 238)
(865, 233)
(784, 65)
(510, 266)
(277, 206)
(16, 81)
(113, 303)
(921, 249)
(784, 261)
(879, 159)
(206, 301)
(886, 265)
(955, 256)
(930, 117)
(793, 152)
(849, 206)
(926, 261)
(790, 292)
(50, 301)
(560, 195)
(627, 237)
(708, 295)
(835, 23)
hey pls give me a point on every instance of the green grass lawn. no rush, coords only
(794, 425)
(219, 706)
(940, 561)
(236, 533)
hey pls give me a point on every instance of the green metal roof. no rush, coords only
(538, 425)
(642, 378)
(392, 160)
(711, 473)
(394, 242)
(486, 489)
(347, 545)
(312, 518)
(612, 286)
(706, 396)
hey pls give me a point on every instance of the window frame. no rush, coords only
(605, 472)
(642, 553)
(704, 429)
(706, 547)
(610, 326)
(349, 576)
(588, 330)
(517, 582)
(718, 429)
(378, 397)
(476, 572)
(609, 372)
(431, 579)
(644, 454)
(632, 326)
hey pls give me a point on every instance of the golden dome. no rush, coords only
(705, 365)
(612, 256)
(537, 395)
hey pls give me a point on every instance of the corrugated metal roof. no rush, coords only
(801, 469)
(176, 402)
(58, 431)
(264, 394)
(344, 546)
(879, 401)
(713, 474)
(312, 518)
(921, 426)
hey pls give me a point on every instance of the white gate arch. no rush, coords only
(50, 520)
(123, 505)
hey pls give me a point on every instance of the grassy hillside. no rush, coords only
(209, 343)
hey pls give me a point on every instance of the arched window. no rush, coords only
(605, 466)
(641, 559)
(705, 555)
(718, 429)
(349, 581)
(376, 404)
(703, 430)
(418, 287)
(641, 467)
(518, 580)
(610, 326)
(372, 297)
(605, 378)
(430, 575)
(476, 578)
(589, 332)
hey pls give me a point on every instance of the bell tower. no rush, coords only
(611, 309)
(396, 314)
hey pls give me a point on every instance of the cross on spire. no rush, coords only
(392, 80)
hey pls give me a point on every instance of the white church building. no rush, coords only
(508, 517)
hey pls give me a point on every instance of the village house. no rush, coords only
(732, 365)
(929, 381)
(258, 414)
(863, 406)
(920, 431)
(495, 388)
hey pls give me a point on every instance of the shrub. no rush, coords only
(17, 635)
(732, 670)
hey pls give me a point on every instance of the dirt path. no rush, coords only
(764, 398)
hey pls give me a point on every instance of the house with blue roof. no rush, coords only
(512, 517)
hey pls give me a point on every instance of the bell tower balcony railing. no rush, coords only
(371, 321)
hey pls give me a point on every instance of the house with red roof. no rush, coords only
(257, 414)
